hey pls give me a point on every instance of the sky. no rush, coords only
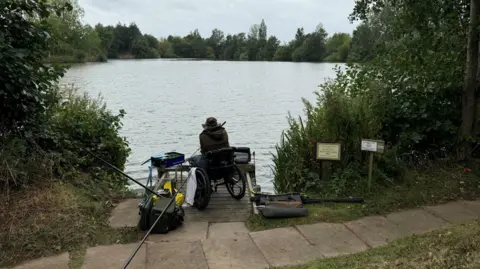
(178, 17)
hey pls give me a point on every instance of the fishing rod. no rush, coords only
(158, 218)
(151, 228)
(125, 175)
(156, 221)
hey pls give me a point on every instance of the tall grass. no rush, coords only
(338, 116)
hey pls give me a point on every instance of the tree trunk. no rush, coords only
(476, 124)
(468, 95)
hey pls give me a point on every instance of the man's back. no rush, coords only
(213, 138)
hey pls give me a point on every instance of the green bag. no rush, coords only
(171, 219)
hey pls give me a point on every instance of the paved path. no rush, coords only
(203, 245)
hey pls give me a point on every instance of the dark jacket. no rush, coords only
(215, 138)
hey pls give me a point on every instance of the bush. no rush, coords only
(367, 102)
(78, 125)
(336, 117)
(45, 132)
(408, 94)
(81, 125)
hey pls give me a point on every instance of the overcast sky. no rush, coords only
(178, 17)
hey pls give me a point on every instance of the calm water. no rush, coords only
(167, 101)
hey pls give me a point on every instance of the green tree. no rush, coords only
(363, 44)
(165, 49)
(338, 47)
(106, 35)
(313, 48)
(252, 42)
(26, 82)
(216, 42)
(283, 53)
(271, 48)
(140, 48)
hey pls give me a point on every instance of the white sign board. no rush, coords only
(369, 145)
(373, 145)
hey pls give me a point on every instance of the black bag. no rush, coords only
(171, 219)
(242, 155)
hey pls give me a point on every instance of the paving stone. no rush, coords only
(473, 206)
(125, 214)
(221, 215)
(114, 256)
(53, 262)
(188, 232)
(332, 239)
(454, 212)
(235, 252)
(416, 221)
(178, 255)
(227, 229)
(375, 230)
(285, 246)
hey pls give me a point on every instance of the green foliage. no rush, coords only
(45, 133)
(25, 80)
(336, 116)
(407, 92)
(81, 124)
(338, 47)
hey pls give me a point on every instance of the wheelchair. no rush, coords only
(222, 170)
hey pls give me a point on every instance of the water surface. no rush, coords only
(167, 101)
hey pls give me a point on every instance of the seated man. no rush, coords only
(213, 137)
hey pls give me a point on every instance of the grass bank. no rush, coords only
(438, 184)
(456, 246)
(56, 217)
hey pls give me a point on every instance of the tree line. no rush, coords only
(75, 41)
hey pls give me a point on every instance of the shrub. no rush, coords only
(337, 117)
(81, 124)
(26, 81)
(45, 132)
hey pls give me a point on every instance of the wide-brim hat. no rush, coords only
(211, 122)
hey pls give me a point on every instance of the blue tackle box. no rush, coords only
(168, 159)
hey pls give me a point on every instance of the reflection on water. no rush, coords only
(167, 101)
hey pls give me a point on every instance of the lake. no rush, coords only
(167, 101)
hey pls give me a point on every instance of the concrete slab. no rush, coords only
(114, 256)
(415, 221)
(285, 246)
(178, 255)
(375, 230)
(227, 230)
(53, 262)
(332, 239)
(454, 212)
(233, 252)
(473, 206)
(125, 214)
(188, 232)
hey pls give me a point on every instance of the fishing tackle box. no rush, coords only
(167, 160)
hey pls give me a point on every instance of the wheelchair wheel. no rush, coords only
(236, 183)
(204, 190)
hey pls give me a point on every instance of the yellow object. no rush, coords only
(180, 198)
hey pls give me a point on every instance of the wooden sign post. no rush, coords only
(327, 152)
(372, 146)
